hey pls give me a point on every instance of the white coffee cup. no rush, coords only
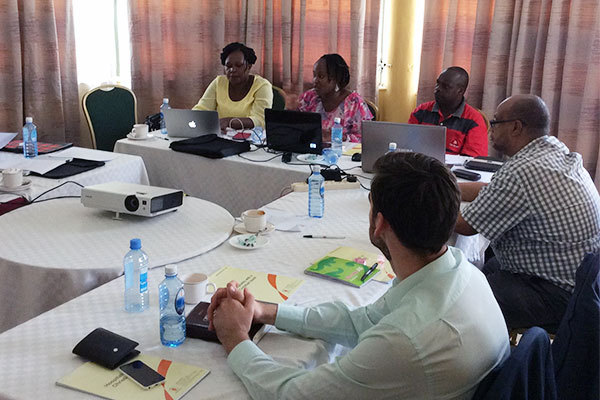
(195, 287)
(140, 131)
(254, 220)
(12, 177)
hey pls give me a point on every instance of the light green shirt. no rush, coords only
(216, 97)
(434, 335)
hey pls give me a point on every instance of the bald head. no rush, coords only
(531, 111)
(460, 76)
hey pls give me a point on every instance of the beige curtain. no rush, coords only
(38, 74)
(176, 45)
(550, 48)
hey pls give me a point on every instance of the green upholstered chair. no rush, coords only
(110, 111)
(278, 98)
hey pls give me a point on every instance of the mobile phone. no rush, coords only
(142, 374)
(468, 175)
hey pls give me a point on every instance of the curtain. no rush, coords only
(550, 48)
(38, 73)
(176, 45)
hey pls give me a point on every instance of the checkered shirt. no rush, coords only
(541, 212)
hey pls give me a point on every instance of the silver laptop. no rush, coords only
(377, 135)
(183, 123)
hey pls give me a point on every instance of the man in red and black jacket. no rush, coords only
(466, 130)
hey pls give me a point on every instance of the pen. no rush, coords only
(368, 272)
(323, 237)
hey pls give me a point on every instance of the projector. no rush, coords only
(131, 198)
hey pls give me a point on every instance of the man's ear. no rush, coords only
(381, 224)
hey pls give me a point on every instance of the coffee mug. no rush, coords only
(254, 220)
(12, 177)
(140, 131)
(195, 287)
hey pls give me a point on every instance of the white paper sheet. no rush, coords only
(85, 154)
(39, 164)
(6, 137)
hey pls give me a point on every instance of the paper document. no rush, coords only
(351, 148)
(366, 258)
(113, 384)
(85, 154)
(38, 164)
(6, 137)
(269, 288)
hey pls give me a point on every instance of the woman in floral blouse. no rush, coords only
(332, 99)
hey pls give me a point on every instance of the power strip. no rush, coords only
(329, 185)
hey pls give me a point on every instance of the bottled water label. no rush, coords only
(144, 281)
(179, 301)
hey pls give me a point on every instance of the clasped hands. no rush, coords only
(232, 311)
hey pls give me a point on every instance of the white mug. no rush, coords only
(140, 131)
(195, 287)
(254, 220)
(12, 177)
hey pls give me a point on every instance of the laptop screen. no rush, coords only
(295, 131)
(376, 136)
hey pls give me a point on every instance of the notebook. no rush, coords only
(295, 131)
(348, 272)
(191, 123)
(16, 146)
(377, 135)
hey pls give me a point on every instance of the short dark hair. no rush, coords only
(249, 54)
(337, 69)
(419, 197)
(533, 113)
(463, 76)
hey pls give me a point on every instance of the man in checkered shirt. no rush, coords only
(541, 213)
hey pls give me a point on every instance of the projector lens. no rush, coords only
(132, 203)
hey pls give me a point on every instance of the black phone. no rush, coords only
(142, 374)
(468, 175)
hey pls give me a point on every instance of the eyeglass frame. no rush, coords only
(501, 121)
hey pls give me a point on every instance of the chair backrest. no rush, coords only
(527, 373)
(485, 118)
(373, 108)
(576, 346)
(278, 98)
(110, 111)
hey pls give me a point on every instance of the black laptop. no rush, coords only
(295, 131)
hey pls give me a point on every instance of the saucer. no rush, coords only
(311, 158)
(130, 136)
(25, 185)
(236, 241)
(240, 228)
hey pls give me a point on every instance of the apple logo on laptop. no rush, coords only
(192, 124)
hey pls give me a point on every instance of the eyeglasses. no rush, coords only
(501, 121)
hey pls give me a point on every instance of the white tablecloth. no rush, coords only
(124, 168)
(48, 356)
(235, 183)
(53, 251)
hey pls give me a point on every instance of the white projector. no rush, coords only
(130, 198)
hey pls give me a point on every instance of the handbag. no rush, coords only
(210, 146)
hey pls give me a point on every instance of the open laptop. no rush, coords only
(295, 131)
(377, 135)
(183, 123)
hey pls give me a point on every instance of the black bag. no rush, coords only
(210, 146)
(70, 168)
(153, 122)
(106, 348)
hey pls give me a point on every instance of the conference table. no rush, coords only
(237, 183)
(41, 347)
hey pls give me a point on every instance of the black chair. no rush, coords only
(110, 111)
(527, 374)
(576, 346)
(278, 98)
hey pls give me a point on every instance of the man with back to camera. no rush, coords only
(435, 333)
(466, 130)
(540, 211)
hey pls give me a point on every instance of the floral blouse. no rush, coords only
(352, 111)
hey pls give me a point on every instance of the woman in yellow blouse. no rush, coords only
(239, 98)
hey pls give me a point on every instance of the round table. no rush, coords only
(56, 250)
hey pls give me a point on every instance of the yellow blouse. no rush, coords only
(216, 97)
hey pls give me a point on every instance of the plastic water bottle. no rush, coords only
(316, 194)
(336, 137)
(135, 265)
(30, 145)
(164, 106)
(172, 306)
(391, 147)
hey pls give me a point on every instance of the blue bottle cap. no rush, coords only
(135, 244)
